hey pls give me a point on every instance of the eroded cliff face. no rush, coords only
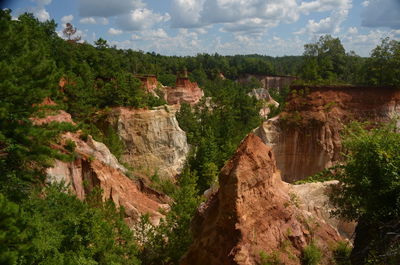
(154, 142)
(313, 198)
(253, 211)
(305, 138)
(262, 94)
(183, 92)
(271, 81)
(95, 167)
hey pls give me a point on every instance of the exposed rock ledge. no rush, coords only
(252, 212)
(305, 138)
(154, 142)
(95, 166)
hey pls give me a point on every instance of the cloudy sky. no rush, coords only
(188, 27)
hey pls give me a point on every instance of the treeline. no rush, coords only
(326, 62)
(40, 223)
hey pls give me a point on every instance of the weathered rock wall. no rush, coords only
(268, 82)
(253, 212)
(306, 139)
(183, 92)
(153, 140)
(95, 167)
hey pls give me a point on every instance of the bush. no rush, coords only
(311, 255)
(341, 253)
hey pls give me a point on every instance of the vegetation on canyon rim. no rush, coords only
(43, 224)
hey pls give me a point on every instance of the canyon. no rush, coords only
(94, 167)
(306, 137)
(254, 212)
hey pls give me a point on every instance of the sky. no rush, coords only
(227, 27)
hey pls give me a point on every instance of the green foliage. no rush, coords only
(383, 67)
(166, 243)
(370, 177)
(167, 79)
(63, 230)
(270, 259)
(311, 255)
(325, 175)
(12, 234)
(280, 97)
(341, 253)
(326, 62)
(215, 128)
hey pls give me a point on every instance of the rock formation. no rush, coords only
(263, 95)
(271, 81)
(95, 166)
(154, 142)
(306, 139)
(149, 83)
(314, 199)
(254, 212)
(183, 92)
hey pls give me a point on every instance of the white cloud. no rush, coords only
(365, 3)
(140, 19)
(186, 13)
(364, 43)
(67, 19)
(382, 13)
(42, 2)
(324, 5)
(41, 14)
(88, 20)
(113, 31)
(106, 8)
(328, 25)
(92, 20)
(241, 17)
(352, 30)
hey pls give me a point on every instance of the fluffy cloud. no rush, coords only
(382, 13)
(328, 25)
(92, 20)
(363, 43)
(41, 14)
(140, 19)
(42, 2)
(236, 13)
(324, 5)
(67, 19)
(113, 31)
(105, 8)
(186, 13)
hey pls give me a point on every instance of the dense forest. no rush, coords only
(42, 223)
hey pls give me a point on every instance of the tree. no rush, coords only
(101, 43)
(324, 59)
(369, 192)
(383, 67)
(69, 32)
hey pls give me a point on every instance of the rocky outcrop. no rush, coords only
(149, 83)
(183, 92)
(154, 142)
(262, 95)
(254, 212)
(306, 139)
(94, 166)
(313, 197)
(271, 81)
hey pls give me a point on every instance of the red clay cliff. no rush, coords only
(253, 212)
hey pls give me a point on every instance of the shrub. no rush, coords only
(341, 254)
(311, 255)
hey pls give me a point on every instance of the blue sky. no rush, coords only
(188, 27)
